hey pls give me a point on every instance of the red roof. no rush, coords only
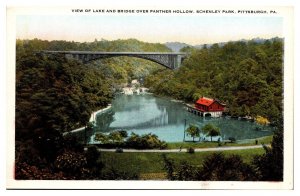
(205, 101)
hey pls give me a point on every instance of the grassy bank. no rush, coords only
(150, 165)
(250, 142)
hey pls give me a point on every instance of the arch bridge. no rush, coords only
(171, 60)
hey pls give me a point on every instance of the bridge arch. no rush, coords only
(170, 60)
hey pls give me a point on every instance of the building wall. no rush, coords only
(214, 114)
(201, 107)
(216, 107)
(203, 114)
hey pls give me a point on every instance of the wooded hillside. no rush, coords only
(247, 76)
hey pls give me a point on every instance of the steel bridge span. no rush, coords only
(171, 60)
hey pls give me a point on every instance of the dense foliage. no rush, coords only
(119, 139)
(122, 69)
(247, 76)
(193, 131)
(218, 167)
(211, 130)
(55, 95)
(145, 141)
(270, 165)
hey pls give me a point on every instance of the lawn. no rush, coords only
(150, 165)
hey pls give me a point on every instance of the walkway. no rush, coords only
(185, 150)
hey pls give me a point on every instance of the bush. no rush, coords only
(232, 139)
(115, 139)
(215, 167)
(262, 120)
(147, 141)
(191, 150)
(119, 150)
(123, 133)
(70, 162)
(115, 136)
(101, 138)
(163, 145)
(218, 167)
(92, 154)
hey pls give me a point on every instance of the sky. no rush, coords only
(155, 29)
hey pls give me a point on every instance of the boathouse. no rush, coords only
(207, 107)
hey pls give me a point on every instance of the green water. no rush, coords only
(143, 114)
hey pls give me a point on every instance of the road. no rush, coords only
(185, 150)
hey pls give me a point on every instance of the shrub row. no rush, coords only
(118, 139)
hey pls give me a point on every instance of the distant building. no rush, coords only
(135, 82)
(208, 107)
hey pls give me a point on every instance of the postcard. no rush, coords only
(150, 97)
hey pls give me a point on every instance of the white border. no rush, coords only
(165, 184)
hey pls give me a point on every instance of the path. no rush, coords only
(185, 150)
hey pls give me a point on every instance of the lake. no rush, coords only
(167, 119)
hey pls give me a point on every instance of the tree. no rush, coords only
(186, 172)
(269, 166)
(123, 133)
(169, 167)
(94, 162)
(193, 131)
(55, 94)
(149, 141)
(215, 166)
(261, 120)
(211, 130)
(219, 167)
(247, 75)
(88, 128)
(115, 136)
(101, 138)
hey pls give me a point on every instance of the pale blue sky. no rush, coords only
(188, 29)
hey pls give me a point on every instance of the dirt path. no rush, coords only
(185, 150)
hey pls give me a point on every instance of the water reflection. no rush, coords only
(103, 121)
(145, 113)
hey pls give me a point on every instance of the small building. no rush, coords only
(135, 82)
(208, 107)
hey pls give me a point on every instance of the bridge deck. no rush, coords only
(171, 60)
(113, 53)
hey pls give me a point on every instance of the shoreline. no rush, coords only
(93, 117)
(94, 114)
(92, 120)
(187, 104)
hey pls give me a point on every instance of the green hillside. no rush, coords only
(247, 76)
(55, 94)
